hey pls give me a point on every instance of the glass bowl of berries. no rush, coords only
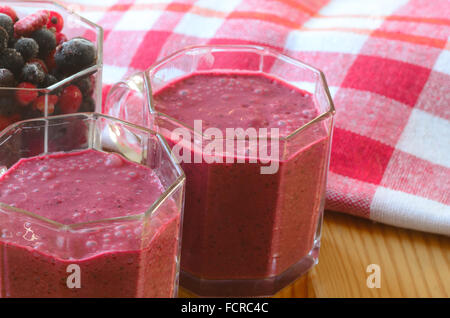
(50, 61)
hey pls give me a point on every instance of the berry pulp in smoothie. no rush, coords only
(134, 258)
(239, 224)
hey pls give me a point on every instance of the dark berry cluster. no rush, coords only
(34, 54)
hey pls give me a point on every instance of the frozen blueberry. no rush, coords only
(7, 23)
(12, 60)
(7, 78)
(49, 80)
(27, 47)
(75, 55)
(12, 42)
(46, 40)
(85, 86)
(4, 38)
(88, 105)
(32, 73)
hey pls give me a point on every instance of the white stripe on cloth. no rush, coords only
(407, 210)
(426, 136)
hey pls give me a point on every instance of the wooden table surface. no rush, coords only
(412, 263)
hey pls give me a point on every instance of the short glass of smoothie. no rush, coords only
(252, 129)
(90, 206)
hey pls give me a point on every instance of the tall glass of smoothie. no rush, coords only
(90, 206)
(252, 129)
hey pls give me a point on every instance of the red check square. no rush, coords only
(369, 157)
(144, 56)
(393, 79)
(408, 173)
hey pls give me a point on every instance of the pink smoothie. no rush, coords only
(240, 224)
(135, 258)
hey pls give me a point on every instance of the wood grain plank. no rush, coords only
(413, 264)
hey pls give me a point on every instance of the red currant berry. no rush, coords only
(25, 97)
(4, 122)
(50, 61)
(55, 21)
(70, 100)
(39, 103)
(10, 12)
(60, 38)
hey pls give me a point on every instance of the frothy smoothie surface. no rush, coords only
(236, 100)
(80, 187)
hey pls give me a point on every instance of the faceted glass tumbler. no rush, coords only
(74, 26)
(38, 254)
(245, 233)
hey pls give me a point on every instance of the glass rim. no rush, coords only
(240, 47)
(178, 182)
(99, 48)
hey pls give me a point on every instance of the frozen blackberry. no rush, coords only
(12, 42)
(88, 105)
(46, 40)
(75, 55)
(49, 80)
(27, 47)
(85, 86)
(7, 106)
(12, 60)
(4, 38)
(7, 23)
(32, 73)
(7, 78)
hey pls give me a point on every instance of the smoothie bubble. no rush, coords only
(6, 233)
(113, 160)
(91, 244)
(258, 90)
(183, 92)
(43, 168)
(53, 186)
(60, 241)
(48, 175)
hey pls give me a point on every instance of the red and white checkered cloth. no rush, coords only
(387, 63)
